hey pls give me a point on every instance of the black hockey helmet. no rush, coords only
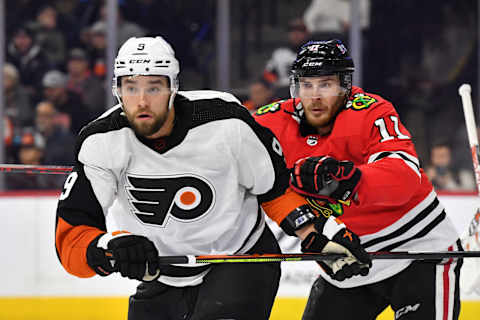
(320, 58)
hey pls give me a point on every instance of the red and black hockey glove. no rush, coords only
(332, 236)
(325, 178)
(134, 256)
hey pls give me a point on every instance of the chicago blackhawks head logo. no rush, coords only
(157, 199)
(360, 101)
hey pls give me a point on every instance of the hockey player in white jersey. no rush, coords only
(183, 173)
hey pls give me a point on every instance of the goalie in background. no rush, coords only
(351, 156)
(184, 172)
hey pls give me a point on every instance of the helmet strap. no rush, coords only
(172, 98)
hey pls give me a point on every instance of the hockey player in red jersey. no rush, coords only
(351, 156)
(168, 172)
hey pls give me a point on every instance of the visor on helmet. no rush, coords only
(153, 88)
(317, 87)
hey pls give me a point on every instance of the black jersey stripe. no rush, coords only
(254, 229)
(72, 209)
(385, 154)
(418, 218)
(419, 234)
(382, 155)
(407, 159)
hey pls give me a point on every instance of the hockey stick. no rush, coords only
(294, 257)
(24, 168)
(465, 92)
(471, 240)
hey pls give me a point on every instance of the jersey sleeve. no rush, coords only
(88, 192)
(270, 116)
(263, 171)
(260, 160)
(391, 170)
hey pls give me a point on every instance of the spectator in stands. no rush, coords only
(18, 106)
(277, 69)
(32, 146)
(31, 151)
(49, 37)
(67, 102)
(97, 45)
(83, 82)
(460, 148)
(29, 59)
(330, 19)
(59, 141)
(260, 94)
(443, 174)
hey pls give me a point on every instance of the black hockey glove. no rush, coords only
(325, 178)
(332, 236)
(134, 256)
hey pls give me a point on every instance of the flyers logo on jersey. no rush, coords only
(157, 199)
(360, 101)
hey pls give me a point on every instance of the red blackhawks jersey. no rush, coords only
(397, 208)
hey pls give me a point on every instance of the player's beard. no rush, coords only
(324, 122)
(326, 117)
(144, 128)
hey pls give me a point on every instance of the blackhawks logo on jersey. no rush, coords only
(360, 101)
(272, 107)
(325, 208)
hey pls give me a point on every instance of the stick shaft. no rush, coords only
(291, 257)
(23, 168)
(465, 93)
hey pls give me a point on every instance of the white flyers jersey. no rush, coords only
(195, 192)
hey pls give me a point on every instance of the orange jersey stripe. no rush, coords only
(71, 243)
(278, 208)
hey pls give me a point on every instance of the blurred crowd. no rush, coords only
(420, 75)
(55, 72)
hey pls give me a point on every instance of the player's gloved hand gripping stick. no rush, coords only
(332, 236)
(134, 256)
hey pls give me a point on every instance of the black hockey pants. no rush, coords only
(241, 291)
(425, 290)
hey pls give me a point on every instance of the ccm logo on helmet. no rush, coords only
(157, 199)
(312, 64)
(139, 61)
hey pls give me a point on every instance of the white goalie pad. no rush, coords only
(471, 242)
